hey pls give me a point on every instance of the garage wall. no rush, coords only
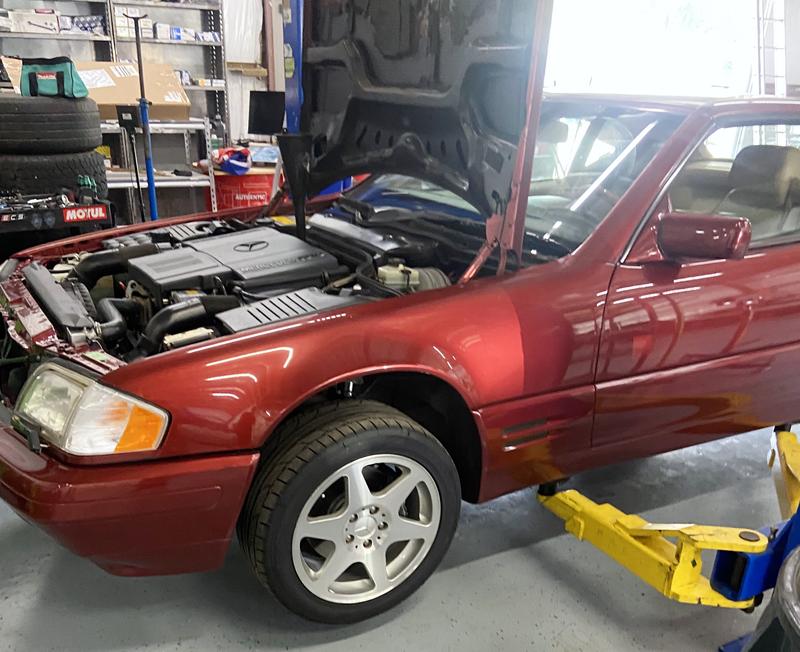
(244, 44)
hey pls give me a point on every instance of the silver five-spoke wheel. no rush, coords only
(366, 528)
(351, 512)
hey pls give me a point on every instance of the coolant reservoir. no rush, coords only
(409, 279)
(399, 277)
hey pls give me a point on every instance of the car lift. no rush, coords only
(667, 556)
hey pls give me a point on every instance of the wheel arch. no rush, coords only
(426, 398)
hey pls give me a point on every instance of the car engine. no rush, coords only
(188, 283)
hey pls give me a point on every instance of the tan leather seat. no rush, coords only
(701, 185)
(765, 188)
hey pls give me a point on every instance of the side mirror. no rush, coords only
(682, 236)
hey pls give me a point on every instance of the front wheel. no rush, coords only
(352, 514)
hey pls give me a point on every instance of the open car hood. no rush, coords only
(435, 89)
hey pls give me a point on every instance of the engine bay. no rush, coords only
(159, 290)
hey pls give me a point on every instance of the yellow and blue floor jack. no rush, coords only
(668, 556)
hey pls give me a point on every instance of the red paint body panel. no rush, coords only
(533, 332)
(139, 519)
(607, 354)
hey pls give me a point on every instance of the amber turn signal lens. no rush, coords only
(143, 431)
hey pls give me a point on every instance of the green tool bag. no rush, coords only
(51, 78)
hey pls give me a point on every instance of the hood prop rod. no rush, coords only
(494, 227)
(506, 228)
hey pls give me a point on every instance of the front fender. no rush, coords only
(231, 393)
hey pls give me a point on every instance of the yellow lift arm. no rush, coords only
(667, 556)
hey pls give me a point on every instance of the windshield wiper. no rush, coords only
(558, 246)
(360, 210)
(366, 214)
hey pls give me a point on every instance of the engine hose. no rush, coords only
(178, 317)
(114, 325)
(105, 263)
(364, 263)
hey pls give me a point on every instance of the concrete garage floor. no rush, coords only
(512, 580)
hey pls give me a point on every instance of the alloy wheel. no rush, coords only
(366, 529)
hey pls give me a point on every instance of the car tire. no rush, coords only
(48, 125)
(395, 540)
(48, 174)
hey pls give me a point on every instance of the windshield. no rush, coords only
(587, 156)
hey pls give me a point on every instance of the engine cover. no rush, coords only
(286, 306)
(260, 258)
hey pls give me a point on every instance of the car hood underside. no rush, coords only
(431, 89)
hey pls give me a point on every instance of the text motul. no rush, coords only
(85, 214)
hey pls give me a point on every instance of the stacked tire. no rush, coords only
(47, 143)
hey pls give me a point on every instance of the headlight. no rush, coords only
(82, 417)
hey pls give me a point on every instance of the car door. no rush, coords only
(707, 348)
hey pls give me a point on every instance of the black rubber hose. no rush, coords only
(352, 252)
(104, 263)
(177, 317)
(114, 325)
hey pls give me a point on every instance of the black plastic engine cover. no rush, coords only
(259, 258)
(178, 269)
(267, 255)
(174, 234)
(285, 306)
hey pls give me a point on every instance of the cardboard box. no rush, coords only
(6, 24)
(83, 24)
(91, 24)
(184, 77)
(145, 28)
(35, 22)
(162, 31)
(209, 37)
(182, 34)
(127, 11)
(111, 84)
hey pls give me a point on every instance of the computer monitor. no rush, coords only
(267, 112)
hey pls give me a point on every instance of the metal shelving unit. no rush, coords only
(211, 20)
(57, 37)
(176, 127)
(214, 99)
(124, 178)
(208, 62)
(207, 89)
(203, 6)
(104, 46)
(206, 59)
(161, 41)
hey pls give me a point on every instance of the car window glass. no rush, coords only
(587, 156)
(612, 138)
(748, 171)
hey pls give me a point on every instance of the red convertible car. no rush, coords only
(525, 288)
